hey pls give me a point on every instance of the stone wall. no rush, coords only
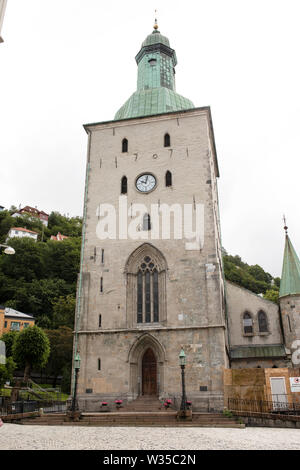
(290, 311)
(240, 300)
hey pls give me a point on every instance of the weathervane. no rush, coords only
(155, 24)
(285, 226)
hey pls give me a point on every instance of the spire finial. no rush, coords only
(155, 23)
(285, 226)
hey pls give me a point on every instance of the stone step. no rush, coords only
(168, 425)
(133, 419)
(144, 403)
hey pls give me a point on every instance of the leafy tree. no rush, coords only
(13, 209)
(64, 311)
(9, 339)
(41, 274)
(70, 227)
(66, 378)
(27, 263)
(259, 274)
(44, 322)
(277, 282)
(61, 343)
(6, 371)
(272, 294)
(6, 222)
(62, 259)
(253, 277)
(11, 304)
(31, 349)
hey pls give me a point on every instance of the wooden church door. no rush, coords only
(149, 373)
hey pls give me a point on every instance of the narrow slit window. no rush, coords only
(101, 284)
(289, 323)
(168, 178)
(102, 256)
(124, 145)
(167, 140)
(146, 222)
(124, 185)
(100, 321)
(99, 364)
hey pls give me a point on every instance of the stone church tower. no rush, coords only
(144, 294)
(289, 297)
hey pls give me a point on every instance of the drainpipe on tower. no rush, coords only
(79, 290)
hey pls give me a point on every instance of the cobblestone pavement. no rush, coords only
(14, 436)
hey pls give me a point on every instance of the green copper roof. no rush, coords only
(156, 81)
(290, 278)
(242, 352)
(154, 101)
(156, 38)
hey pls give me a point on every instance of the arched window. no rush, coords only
(247, 323)
(147, 292)
(146, 222)
(146, 286)
(168, 178)
(167, 140)
(124, 185)
(262, 322)
(124, 145)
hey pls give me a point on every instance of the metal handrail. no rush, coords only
(281, 405)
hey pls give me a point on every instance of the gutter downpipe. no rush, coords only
(225, 287)
(79, 290)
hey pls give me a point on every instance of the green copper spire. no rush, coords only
(290, 278)
(156, 80)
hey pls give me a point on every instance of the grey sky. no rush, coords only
(69, 62)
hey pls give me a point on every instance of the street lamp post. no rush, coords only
(8, 249)
(182, 362)
(77, 368)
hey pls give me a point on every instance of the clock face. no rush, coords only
(145, 183)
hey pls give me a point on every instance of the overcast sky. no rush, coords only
(65, 63)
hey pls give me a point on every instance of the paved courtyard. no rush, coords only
(14, 436)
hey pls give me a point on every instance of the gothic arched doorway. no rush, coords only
(149, 373)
